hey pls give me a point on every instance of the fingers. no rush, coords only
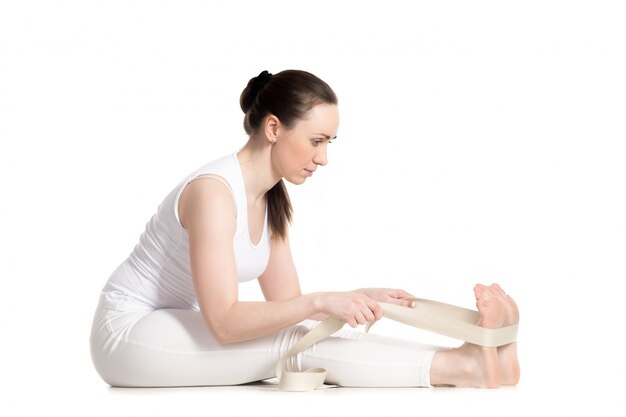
(396, 297)
(375, 309)
(366, 310)
(406, 303)
(404, 294)
(358, 308)
(371, 311)
(361, 317)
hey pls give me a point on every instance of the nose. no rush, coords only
(320, 157)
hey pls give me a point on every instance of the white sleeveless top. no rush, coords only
(157, 274)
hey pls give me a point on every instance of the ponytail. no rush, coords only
(279, 209)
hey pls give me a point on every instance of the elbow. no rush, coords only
(221, 333)
(220, 327)
(222, 338)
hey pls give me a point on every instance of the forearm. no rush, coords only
(247, 320)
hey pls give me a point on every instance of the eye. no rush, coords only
(317, 142)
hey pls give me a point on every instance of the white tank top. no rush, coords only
(157, 274)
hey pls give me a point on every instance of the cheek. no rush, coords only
(297, 154)
(304, 153)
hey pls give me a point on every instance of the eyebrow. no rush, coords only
(326, 136)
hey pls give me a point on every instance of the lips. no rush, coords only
(309, 171)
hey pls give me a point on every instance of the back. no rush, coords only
(157, 274)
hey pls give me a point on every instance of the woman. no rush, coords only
(170, 316)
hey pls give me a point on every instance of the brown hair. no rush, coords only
(289, 95)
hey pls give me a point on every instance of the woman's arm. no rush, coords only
(207, 211)
(280, 281)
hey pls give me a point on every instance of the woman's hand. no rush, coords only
(353, 307)
(388, 295)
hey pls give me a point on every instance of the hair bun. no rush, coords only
(259, 82)
(255, 85)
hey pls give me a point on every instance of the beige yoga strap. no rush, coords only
(445, 319)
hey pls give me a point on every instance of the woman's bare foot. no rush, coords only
(507, 354)
(472, 365)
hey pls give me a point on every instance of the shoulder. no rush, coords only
(206, 198)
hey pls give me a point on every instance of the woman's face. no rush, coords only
(299, 151)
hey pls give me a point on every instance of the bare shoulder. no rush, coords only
(207, 198)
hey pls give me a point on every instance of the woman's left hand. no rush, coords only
(388, 295)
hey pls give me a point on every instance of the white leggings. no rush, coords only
(167, 348)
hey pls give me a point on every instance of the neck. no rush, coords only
(256, 167)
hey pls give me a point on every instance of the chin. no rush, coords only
(296, 180)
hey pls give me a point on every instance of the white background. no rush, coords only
(479, 142)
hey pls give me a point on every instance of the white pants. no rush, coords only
(167, 348)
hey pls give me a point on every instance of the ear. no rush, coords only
(271, 128)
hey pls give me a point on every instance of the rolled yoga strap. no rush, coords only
(445, 319)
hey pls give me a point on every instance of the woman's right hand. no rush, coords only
(352, 307)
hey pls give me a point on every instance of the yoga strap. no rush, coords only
(446, 319)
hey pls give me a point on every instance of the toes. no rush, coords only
(512, 309)
(484, 297)
(498, 289)
(479, 290)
